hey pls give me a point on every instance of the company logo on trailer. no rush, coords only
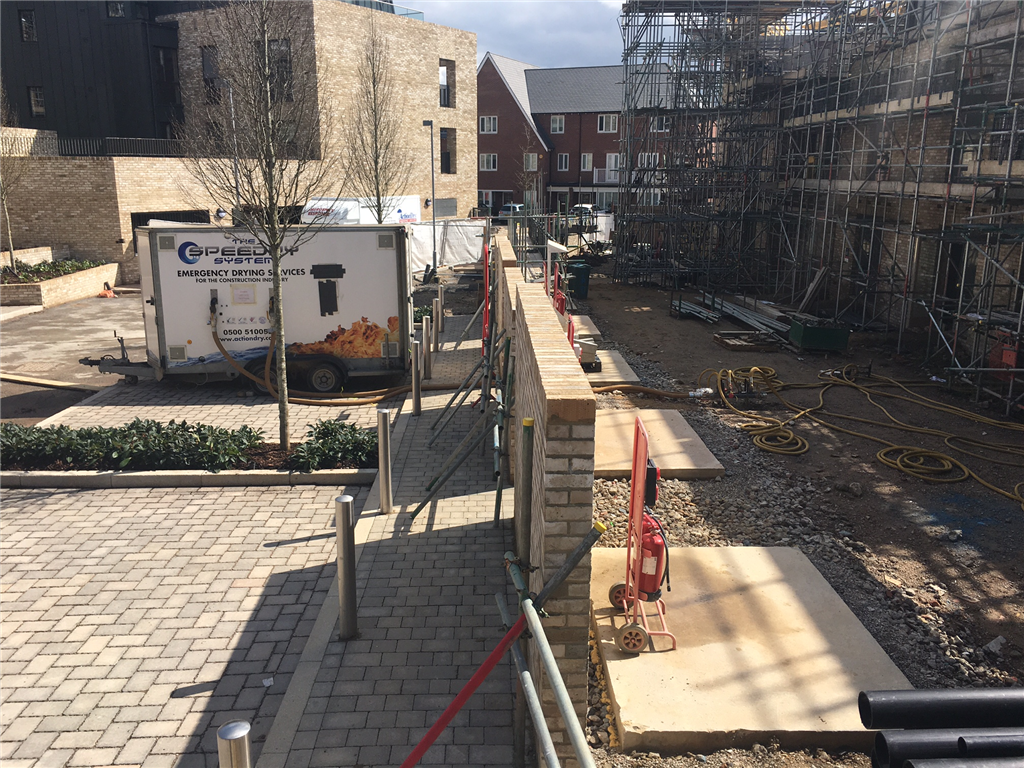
(189, 252)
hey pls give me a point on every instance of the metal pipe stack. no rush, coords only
(950, 728)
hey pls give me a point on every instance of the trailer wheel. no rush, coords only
(324, 377)
(256, 369)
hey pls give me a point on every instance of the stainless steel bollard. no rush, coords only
(384, 459)
(417, 398)
(435, 326)
(233, 745)
(426, 349)
(440, 302)
(345, 528)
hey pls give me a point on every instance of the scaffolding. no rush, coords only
(860, 159)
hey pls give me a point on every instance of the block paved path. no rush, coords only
(135, 621)
(427, 614)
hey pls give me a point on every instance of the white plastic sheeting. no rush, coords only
(459, 241)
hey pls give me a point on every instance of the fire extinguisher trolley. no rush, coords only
(646, 555)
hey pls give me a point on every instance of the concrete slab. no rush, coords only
(766, 649)
(585, 328)
(614, 370)
(675, 447)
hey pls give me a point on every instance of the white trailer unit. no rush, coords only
(347, 296)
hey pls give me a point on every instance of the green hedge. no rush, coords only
(331, 443)
(147, 445)
(138, 445)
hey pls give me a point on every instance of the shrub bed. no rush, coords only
(150, 445)
(36, 273)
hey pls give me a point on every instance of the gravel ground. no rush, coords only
(760, 503)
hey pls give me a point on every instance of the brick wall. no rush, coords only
(18, 142)
(59, 290)
(552, 389)
(416, 49)
(85, 204)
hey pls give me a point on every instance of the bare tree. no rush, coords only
(528, 175)
(258, 137)
(377, 160)
(13, 168)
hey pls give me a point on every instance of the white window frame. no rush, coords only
(586, 162)
(608, 123)
(489, 124)
(563, 161)
(611, 161)
(558, 123)
(648, 160)
(661, 123)
(488, 161)
(529, 161)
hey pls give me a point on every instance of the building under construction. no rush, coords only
(862, 160)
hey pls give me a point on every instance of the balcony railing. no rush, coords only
(606, 176)
(110, 146)
(387, 7)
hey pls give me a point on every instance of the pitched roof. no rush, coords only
(514, 74)
(574, 89)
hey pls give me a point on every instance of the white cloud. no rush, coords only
(547, 33)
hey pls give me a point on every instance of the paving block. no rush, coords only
(765, 649)
(674, 446)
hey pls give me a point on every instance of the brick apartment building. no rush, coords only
(548, 138)
(89, 192)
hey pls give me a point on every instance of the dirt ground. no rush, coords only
(908, 523)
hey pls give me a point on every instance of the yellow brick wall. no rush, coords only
(552, 389)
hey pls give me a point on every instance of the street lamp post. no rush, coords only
(433, 196)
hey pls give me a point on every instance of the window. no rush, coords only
(607, 200)
(661, 123)
(647, 160)
(563, 161)
(651, 197)
(211, 74)
(530, 161)
(488, 124)
(488, 162)
(115, 10)
(36, 103)
(165, 73)
(27, 20)
(608, 123)
(586, 161)
(448, 153)
(611, 161)
(558, 123)
(446, 78)
(530, 199)
(279, 53)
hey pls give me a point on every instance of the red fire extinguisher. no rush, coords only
(653, 543)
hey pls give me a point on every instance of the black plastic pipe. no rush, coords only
(892, 748)
(1008, 744)
(946, 708)
(967, 762)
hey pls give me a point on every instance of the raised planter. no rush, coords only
(184, 478)
(59, 290)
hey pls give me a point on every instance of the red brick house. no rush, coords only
(548, 138)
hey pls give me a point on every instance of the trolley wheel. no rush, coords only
(324, 377)
(632, 638)
(256, 369)
(617, 594)
(131, 380)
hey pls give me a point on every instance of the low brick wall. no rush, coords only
(552, 389)
(59, 290)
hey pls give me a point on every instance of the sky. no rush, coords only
(545, 33)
